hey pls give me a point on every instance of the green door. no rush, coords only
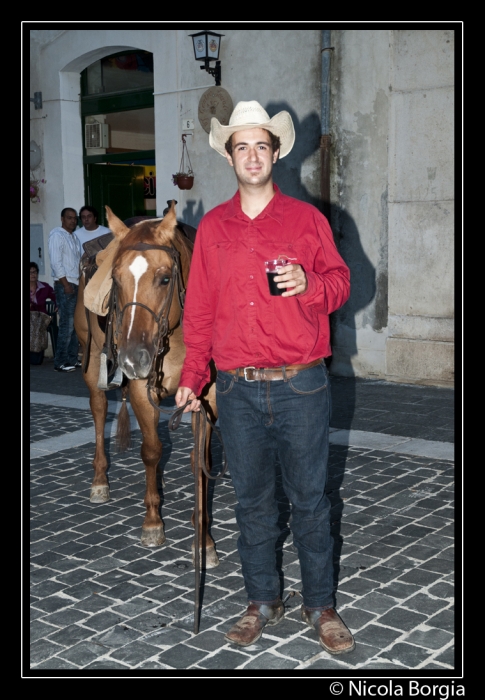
(121, 187)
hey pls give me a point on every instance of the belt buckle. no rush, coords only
(246, 376)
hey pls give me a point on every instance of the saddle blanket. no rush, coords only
(97, 291)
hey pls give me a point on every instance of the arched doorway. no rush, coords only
(117, 109)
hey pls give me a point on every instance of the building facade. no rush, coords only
(391, 131)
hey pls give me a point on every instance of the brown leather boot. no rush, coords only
(249, 628)
(334, 635)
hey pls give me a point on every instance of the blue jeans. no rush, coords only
(67, 341)
(285, 421)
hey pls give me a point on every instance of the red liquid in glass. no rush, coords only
(273, 289)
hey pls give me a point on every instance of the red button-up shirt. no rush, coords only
(229, 313)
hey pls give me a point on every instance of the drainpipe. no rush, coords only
(325, 138)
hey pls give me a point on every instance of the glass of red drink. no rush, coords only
(272, 268)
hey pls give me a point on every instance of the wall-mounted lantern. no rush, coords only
(206, 48)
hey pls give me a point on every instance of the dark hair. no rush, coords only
(63, 212)
(93, 211)
(275, 141)
(34, 264)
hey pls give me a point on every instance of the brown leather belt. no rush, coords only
(270, 374)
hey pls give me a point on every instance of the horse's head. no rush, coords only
(145, 274)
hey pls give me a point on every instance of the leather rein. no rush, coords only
(201, 419)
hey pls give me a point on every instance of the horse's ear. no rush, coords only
(167, 225)
(170, 217)
(116, 225)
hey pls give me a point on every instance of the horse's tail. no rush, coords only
(123, 436)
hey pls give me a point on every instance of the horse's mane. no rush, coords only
(185, 248)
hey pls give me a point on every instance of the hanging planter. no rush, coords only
(34, 191)
(184, 178)
(34, 188)
(184, 181)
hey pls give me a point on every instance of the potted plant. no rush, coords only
(184, 181)
(184, 178)
(34, 190)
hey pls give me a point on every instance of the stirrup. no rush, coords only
(108, 379)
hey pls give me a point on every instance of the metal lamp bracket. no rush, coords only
(37, 100)
(215, 72)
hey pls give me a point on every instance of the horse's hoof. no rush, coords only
(207, 559)
(99, 494)
(153, 536)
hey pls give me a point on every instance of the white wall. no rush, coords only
(359, 119)
(392, 188)
(421, 207)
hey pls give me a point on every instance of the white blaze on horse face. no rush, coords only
(137, 268)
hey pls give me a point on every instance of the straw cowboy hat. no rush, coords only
(250, 115)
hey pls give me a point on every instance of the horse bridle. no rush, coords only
(175, 279)
(115, 315)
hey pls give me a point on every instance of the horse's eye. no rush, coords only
(165, 280)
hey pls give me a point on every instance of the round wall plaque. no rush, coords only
(215, 102)
(35, 155)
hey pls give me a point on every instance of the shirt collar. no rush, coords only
(274, 208)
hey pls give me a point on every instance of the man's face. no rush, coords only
(89, 220)
(69, 220)
(252, 156)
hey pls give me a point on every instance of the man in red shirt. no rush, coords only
(273, 391)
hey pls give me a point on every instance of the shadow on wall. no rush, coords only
(288, 176)
(363, 291)
(344, 346)
(287, 171)
(190, 215)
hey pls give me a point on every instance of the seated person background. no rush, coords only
(39, 291)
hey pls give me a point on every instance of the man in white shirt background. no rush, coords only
(90, 228)
(65, 254)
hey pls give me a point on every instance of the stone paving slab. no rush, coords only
(102, 602)
(396, 443)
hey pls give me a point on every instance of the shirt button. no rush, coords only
(251, 250)
(251, 303)
(251, 277)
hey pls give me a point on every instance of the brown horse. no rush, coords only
(150, 271)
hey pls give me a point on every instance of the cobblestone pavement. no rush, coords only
(102, 603)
